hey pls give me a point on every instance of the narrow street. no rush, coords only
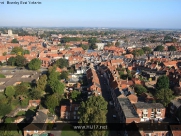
(107, 96)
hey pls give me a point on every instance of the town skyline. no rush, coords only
(112, 14)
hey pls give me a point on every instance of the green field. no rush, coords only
(66, 131)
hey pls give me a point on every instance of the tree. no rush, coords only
(5, 109)
(138, 52)
(51, 102)
(24, 102)
(162, 82)
(61, 63)
(58, 87)
(34, 64)
(164, 95)
(41, 83)
(146, 50)
(20, 61)
(52, 76)
(17, 51)
(85, 47)
(11, 61)
(26, 52)
(117, 44)
(75, 95)
(4, 53)
(94, 110)
(94, 46)
(139, 89)
(159, 48)
(21, 90)
(172, 48)
(14, 41)
(9, 91)
(1, 63)
(35, 94)
(64, 75)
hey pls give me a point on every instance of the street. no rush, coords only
(106, 94)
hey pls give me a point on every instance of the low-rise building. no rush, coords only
(150, 111)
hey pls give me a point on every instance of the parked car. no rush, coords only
(114, 117)
(111, 103)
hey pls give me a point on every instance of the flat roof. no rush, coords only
(143, 105)
(127, 108)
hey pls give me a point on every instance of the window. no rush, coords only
(76, 108)
(144, 115)
(74, 117)
(36, 131)
(74, 112)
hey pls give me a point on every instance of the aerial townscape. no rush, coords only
(90, 68)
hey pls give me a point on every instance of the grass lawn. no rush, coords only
(21, 113)
(66, 131)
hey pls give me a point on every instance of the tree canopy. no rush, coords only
(51, 102)
(75, 95)
(21, 90)
(17, 51)
(58, 87)
(14, 41)
(11, 61)
(164, 95)
(9, 91)
(159, 48)
(146, 50)
(138, 52)
(85, 47)
(34, 64)
(64, 75)
(35, 94)
(94, 110)
(20, 61)
(54, 83)
(172, 48)
(140, 89)
(162, 82)
(68, 39)
(41, 83)
(61, 63)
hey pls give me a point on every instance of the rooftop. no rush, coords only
(143, 105)
(127, 108)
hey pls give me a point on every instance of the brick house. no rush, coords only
(69, 112)
(150, 111)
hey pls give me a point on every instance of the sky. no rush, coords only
(93, 13)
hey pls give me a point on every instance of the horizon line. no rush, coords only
(103, 27)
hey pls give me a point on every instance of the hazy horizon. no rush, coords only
(130, 14)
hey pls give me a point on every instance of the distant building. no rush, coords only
(10, 33)
(100, 46)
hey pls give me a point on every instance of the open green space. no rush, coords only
(68, 131)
